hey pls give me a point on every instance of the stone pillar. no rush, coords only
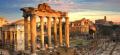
(67, 31)
(49, 32)
(55, 31)
(15, 40)
(60, 31)
(33, 33)
(11, 38)
(42, 32)
(5, 38)
(3, 41)
(26, 32)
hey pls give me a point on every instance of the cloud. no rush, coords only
(80, 5)
(75, 5)
(63, 5)
(90, 7)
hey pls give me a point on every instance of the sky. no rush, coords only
(77, 9)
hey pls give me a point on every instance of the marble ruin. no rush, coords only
(13, 36)
(45, 11)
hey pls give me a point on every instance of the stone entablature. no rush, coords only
(42, 10)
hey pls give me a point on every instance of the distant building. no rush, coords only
(81, 26)
(103, 22)
(13, 33)
(3, 21)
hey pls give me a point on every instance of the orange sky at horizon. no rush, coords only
(91, 15)
(111, 16)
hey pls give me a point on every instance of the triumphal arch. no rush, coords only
(45, 11)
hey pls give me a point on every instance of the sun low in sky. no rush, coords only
(77, 9)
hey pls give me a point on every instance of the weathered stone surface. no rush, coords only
(45, 8)
(58, 51)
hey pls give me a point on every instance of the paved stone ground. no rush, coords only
(57, 51)
(73, 51)
(104, 49)
(4, 52)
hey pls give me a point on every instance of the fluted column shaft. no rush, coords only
(15, 40)
(26, 32)
(33, 33)
(49, 32)
(9, 42)
(60, 31)
(55, 31)
(11, 37)
(67, 31)
(42, 32)
(5, 37)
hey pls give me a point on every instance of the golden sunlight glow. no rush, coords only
(111, 16)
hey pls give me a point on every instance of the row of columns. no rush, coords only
(33, 31)
(8, 38)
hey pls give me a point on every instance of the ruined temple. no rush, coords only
(45, 11)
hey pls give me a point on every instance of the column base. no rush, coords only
(67, 46)
(42, 48)
(56, 46)
(33, 54)
(50, 47)
(61, 45)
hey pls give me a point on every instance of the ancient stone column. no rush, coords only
(49, 32)
(55, 31)
(60, 31)
(2, 38)
(67, 31)
(42, 32)
(11, 38)
(33, 33)
(26, 32)
(5, 38)
(15, 40)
